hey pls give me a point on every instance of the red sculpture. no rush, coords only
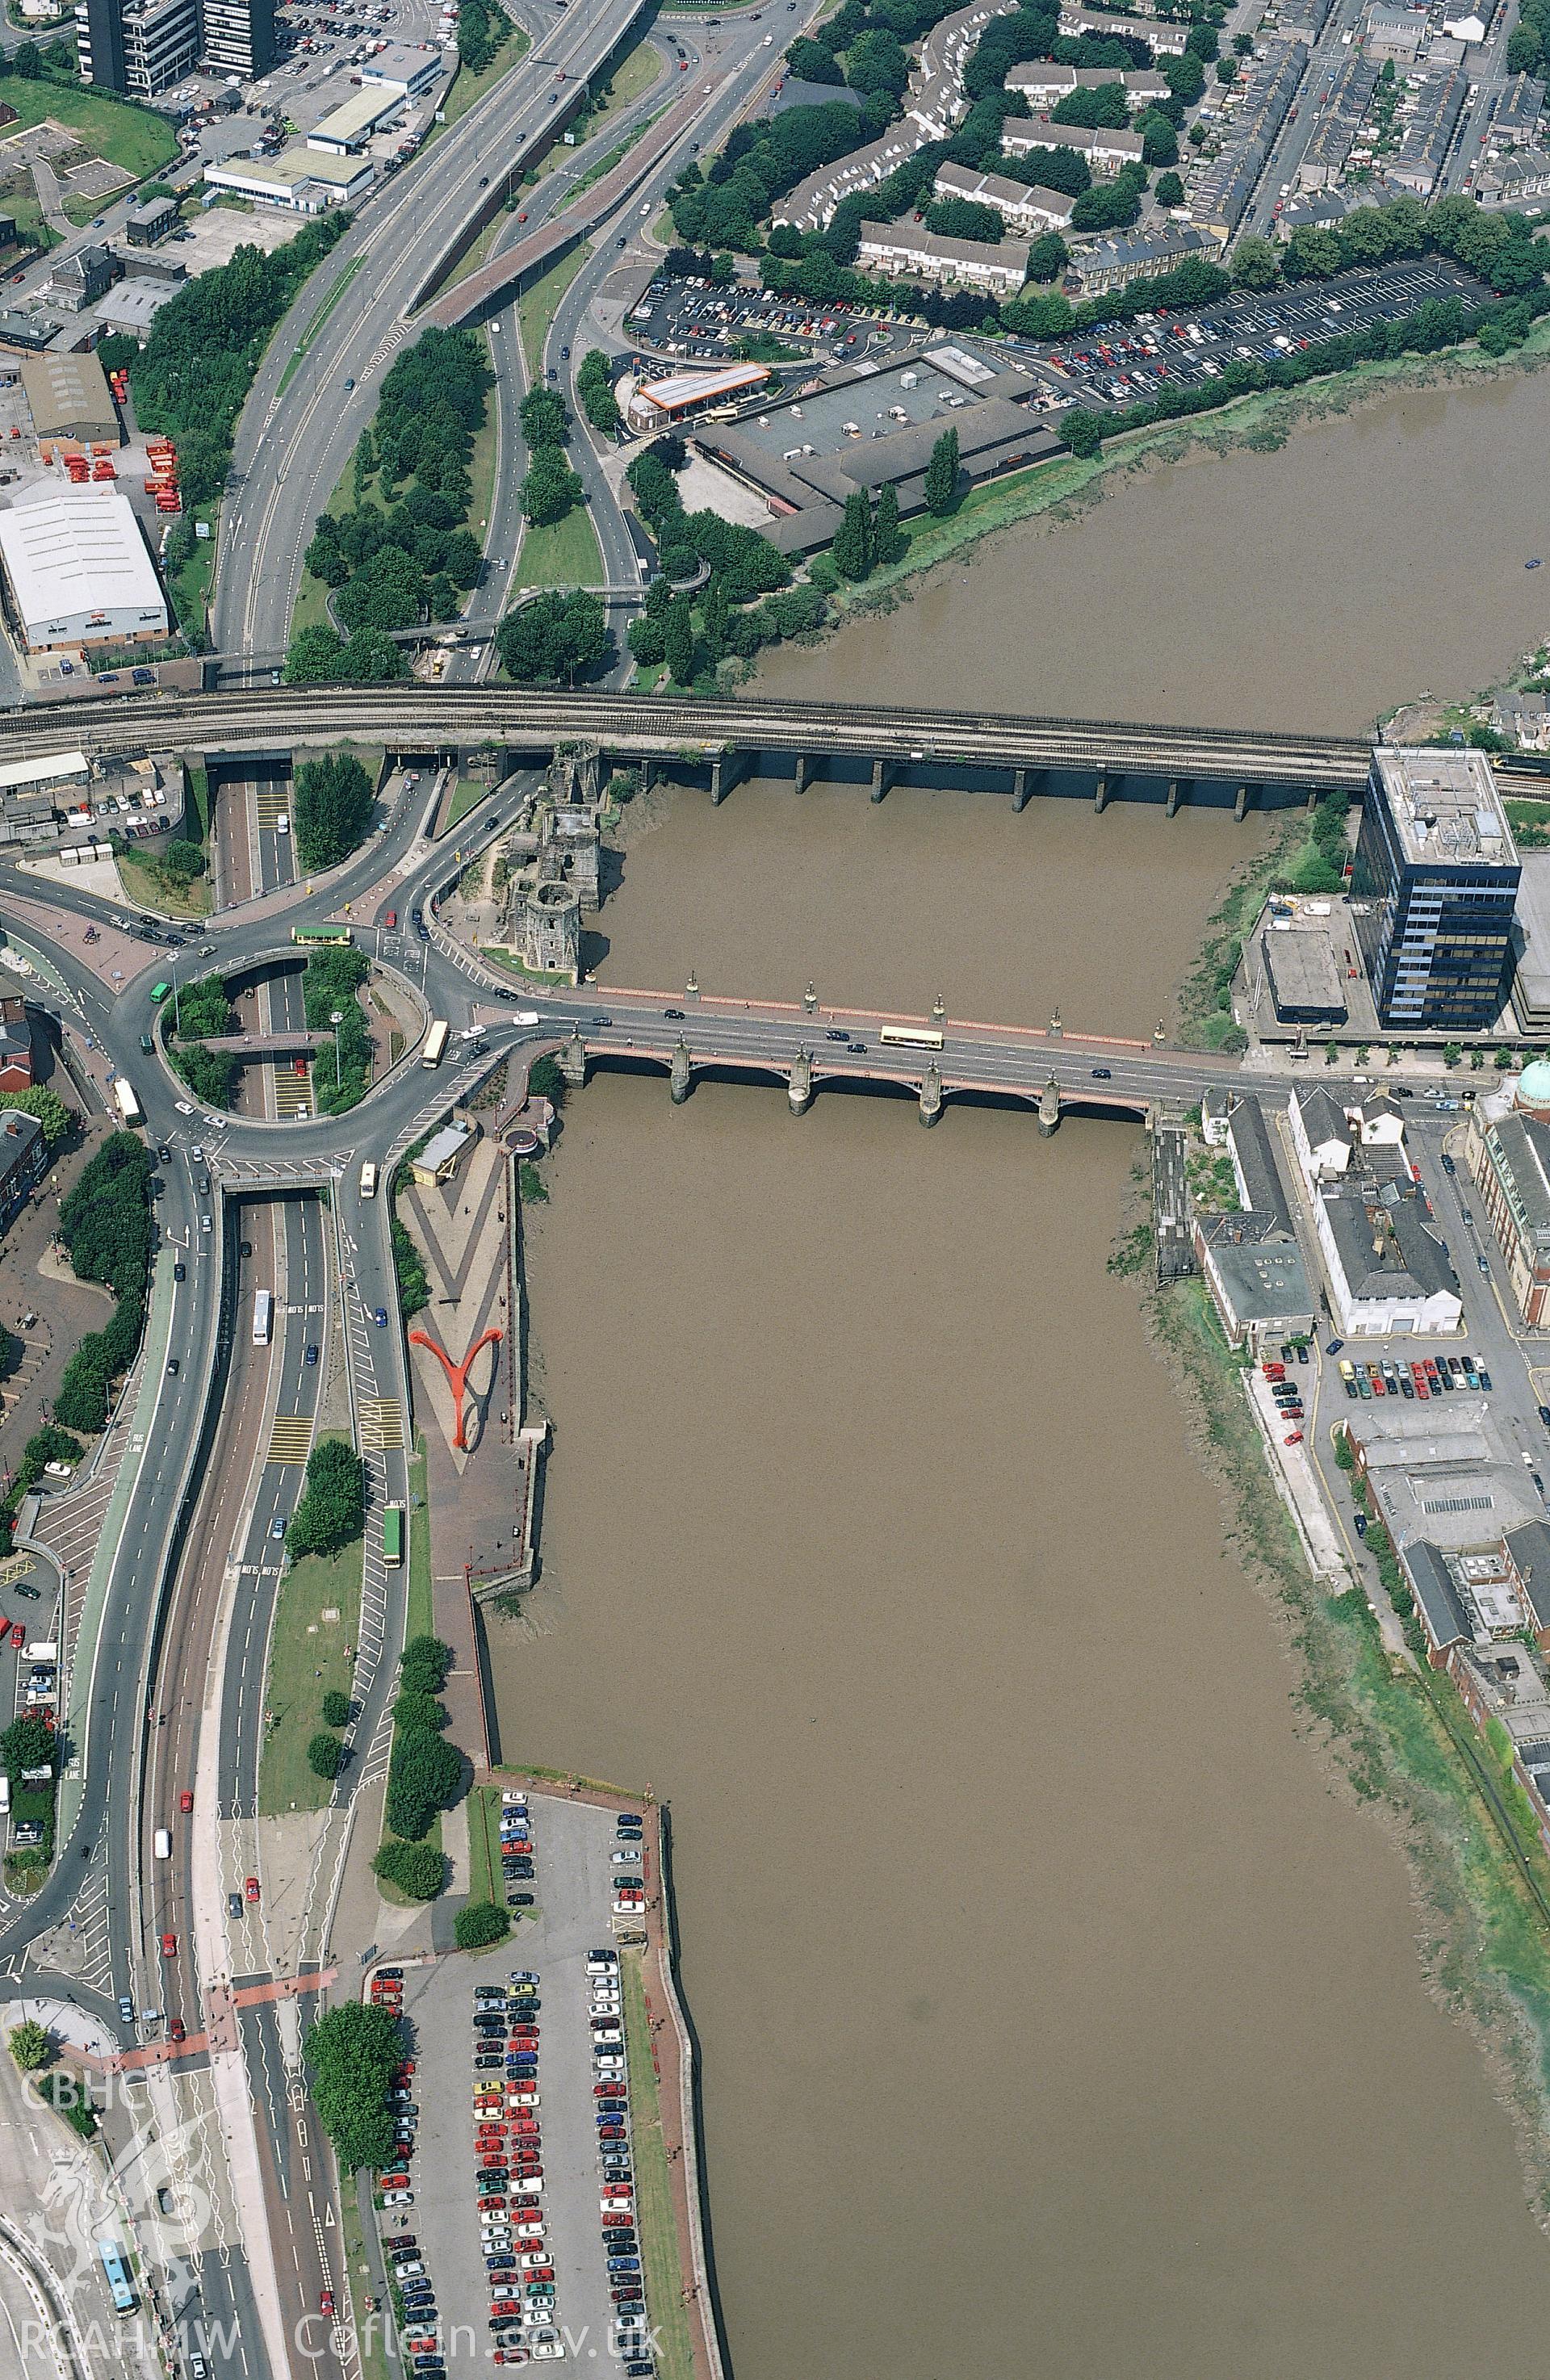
(457, 1374)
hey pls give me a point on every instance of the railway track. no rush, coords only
(684, 727)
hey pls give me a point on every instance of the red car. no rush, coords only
(169, 1946)
(178, 2030)
(1295, 1437)
(391, 919)
(185, 1800)
(503, 2305)
(250, 1891)
(18, 1633)
(492, 2206)
(325, 2302)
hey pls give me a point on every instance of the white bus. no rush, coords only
(435, 1043)
(263, 1316)
(129, 1106)
(369, 1181)
(910, 1037)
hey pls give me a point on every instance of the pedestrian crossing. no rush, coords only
(290, 1440)
(272, 802)
(381, 1425)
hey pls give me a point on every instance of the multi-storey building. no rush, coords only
(143, 47)
(1435, 879)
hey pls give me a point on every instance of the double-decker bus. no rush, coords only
(910, 1037)
(393, 1535)
(435, 1043)
(264, 1315)
(118, 2275)
(320, 937)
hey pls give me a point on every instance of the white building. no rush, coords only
(77, 572)
(1106, 150)
(1326, 1133)
(1000, 265)
(1026, 209)
(403, 68)
(303, 181)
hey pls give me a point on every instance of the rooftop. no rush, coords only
(1254, 1161)
(1444, 806)
(1263, 1280)
(77, 552)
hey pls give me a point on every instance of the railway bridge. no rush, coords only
(717, 741)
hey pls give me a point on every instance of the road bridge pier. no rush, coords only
(680, 1080)
(931, 1093)
(803, 771)
(799, 1086)
(1175, 787)
(882, 775)
(1025, 782)
(1049, 1108)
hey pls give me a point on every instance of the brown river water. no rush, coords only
(1058, 2013)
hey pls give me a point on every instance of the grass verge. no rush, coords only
(190, 584)
(654, 2207)
(419, 1616)
(370, 2348)
(482, 464)
(485, 1880)
(306, 1660)
(131, 137)
(145, 884)
(562, 553)
(466, 795)
(467, 89)
(1403, 1741)
(537, 307)
(316, 325)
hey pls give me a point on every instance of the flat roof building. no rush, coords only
(303, 181)
(867, 426)
(69, 396)
(131, 310)
(151, 222)
(350, 124)
(1304, 981)
(1435, 884)
(239, 36)
(681, 395)
(407, 70)
(77, 572)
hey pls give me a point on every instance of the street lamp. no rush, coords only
(336, 1018)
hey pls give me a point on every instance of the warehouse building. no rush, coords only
(69, 396)
(77, 572)
(401, 68)
(867, 427)
(302, 181)
(346, 128)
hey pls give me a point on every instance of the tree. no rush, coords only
(812, 62)
(1096, 105)
(1312, 255)
(419, 1713)
(425, 1664)
(334, 802)
(182, 862)
(28, 1743)
(543, 418)
(481, 1923)
(1253, 263)
(325, 1755)
(853, 544)
(550, 489)
(426, 1775)
(678, 641)
(316, 656)
(1185, 78)
(1159, 143)
(26, 63)
(1081, 430)
(876, 62)
(332, 1510)
(337, 1708)
(888, 537)
(1524, 51)
(941, 474)
(56, 1119)
(1227, 70)
(596, 390)
(647, 643)
(1169, 190)
(354, 2052)
(1047, 256)
(418, 1870)
(964, 219)
(713, 616)
(553, 636)
(31, 2046)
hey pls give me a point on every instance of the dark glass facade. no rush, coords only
(1436, 936)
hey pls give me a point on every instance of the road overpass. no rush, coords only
(723, 740)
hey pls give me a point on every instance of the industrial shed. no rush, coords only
(77, 572)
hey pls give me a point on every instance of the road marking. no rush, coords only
(290, 1439)
(381, 1425)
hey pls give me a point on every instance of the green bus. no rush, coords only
(160, 991)
(318, 937)
(393, 1535)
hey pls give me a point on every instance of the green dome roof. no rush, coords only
(1533, 1084)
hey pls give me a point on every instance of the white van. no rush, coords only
(161, 1843)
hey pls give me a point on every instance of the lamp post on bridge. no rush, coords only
(810, 998)
(336, 1018)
